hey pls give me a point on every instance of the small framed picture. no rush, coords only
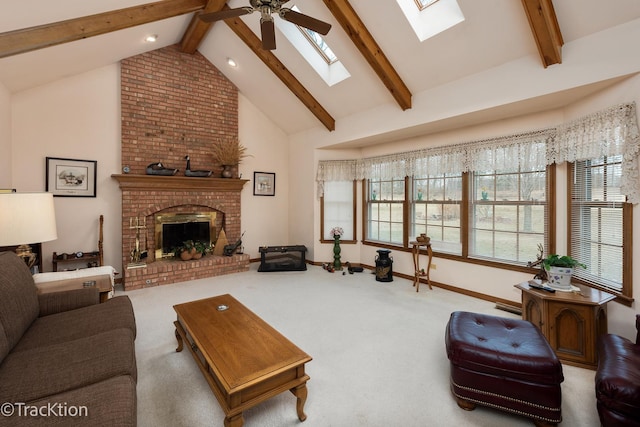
(264, 184)
(71, 177)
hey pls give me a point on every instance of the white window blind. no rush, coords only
(597, 221)
(338, 209)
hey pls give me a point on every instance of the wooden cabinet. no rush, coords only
(571, 321)
(76, 260)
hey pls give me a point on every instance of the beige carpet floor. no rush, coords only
(378, 354)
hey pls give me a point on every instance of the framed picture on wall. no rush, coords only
(71, 177)
(264, 184)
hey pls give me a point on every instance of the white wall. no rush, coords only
(265, 219)
(5, 138)
(77, 118)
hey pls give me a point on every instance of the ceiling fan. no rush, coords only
(267, 9)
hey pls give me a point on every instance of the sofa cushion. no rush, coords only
(56, 302)
(4, 344)
(44, 371)
(83, 322)
(18, 299)
(111, 402)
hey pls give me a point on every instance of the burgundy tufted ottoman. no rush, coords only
(505, 364)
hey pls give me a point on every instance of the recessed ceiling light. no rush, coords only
(151, 38)
(232, 62)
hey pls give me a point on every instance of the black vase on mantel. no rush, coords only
(227, 171)
(384, 266)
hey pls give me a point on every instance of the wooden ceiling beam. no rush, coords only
(33, 38)
(198, 29)
(546, 30)
(364, 41)
(278, 68)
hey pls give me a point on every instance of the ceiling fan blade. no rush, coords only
(225, 14)
(268, 34)
(306, 21)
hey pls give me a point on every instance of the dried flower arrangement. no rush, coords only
(229, 152)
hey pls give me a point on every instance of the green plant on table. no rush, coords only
(566, 261)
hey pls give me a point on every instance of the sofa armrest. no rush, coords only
(56, 302)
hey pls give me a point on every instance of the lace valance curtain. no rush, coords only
(610, 132)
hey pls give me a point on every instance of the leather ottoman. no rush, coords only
(503, 363)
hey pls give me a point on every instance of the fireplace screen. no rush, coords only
(173, 229)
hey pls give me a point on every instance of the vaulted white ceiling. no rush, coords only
(494, 33)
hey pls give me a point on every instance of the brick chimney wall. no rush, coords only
(175, 104)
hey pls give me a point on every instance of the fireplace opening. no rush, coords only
(173, 229)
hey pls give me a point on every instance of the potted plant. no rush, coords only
(186, 251)
(559, 270)
(229, 154)
(201, 249)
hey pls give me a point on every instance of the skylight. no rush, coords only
(423, 4)
(315, 50)
(318, 42)
(431, 17)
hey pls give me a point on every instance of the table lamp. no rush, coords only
(27, 218)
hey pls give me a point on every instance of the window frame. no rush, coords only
(416, 201)
(494, 203)
(366, 200)
(625, 295)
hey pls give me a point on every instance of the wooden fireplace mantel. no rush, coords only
(159, 182)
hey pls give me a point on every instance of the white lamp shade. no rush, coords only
(27, 218)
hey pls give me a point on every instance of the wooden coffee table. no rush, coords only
(244, 360)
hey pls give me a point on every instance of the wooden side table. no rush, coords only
(418, 273)
(571, 321)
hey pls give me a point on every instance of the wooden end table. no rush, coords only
(244, 360)
(415, 251)
(571, 321)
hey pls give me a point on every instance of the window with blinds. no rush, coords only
(338, 209)
(597, 221)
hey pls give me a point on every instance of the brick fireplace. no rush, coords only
(175, 104)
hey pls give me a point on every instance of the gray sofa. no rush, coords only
(65, 359)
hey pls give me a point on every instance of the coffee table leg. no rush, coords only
(300, 393)
(179, 338)
(234, 421)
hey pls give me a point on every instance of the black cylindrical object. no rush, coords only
(384, 266)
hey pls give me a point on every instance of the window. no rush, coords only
(338, 210)
(431, 17)
(315, 50)
(599, 216)
(318, 42)
(385, 211)
(435, 211)
(508, 215)
(423, 4)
